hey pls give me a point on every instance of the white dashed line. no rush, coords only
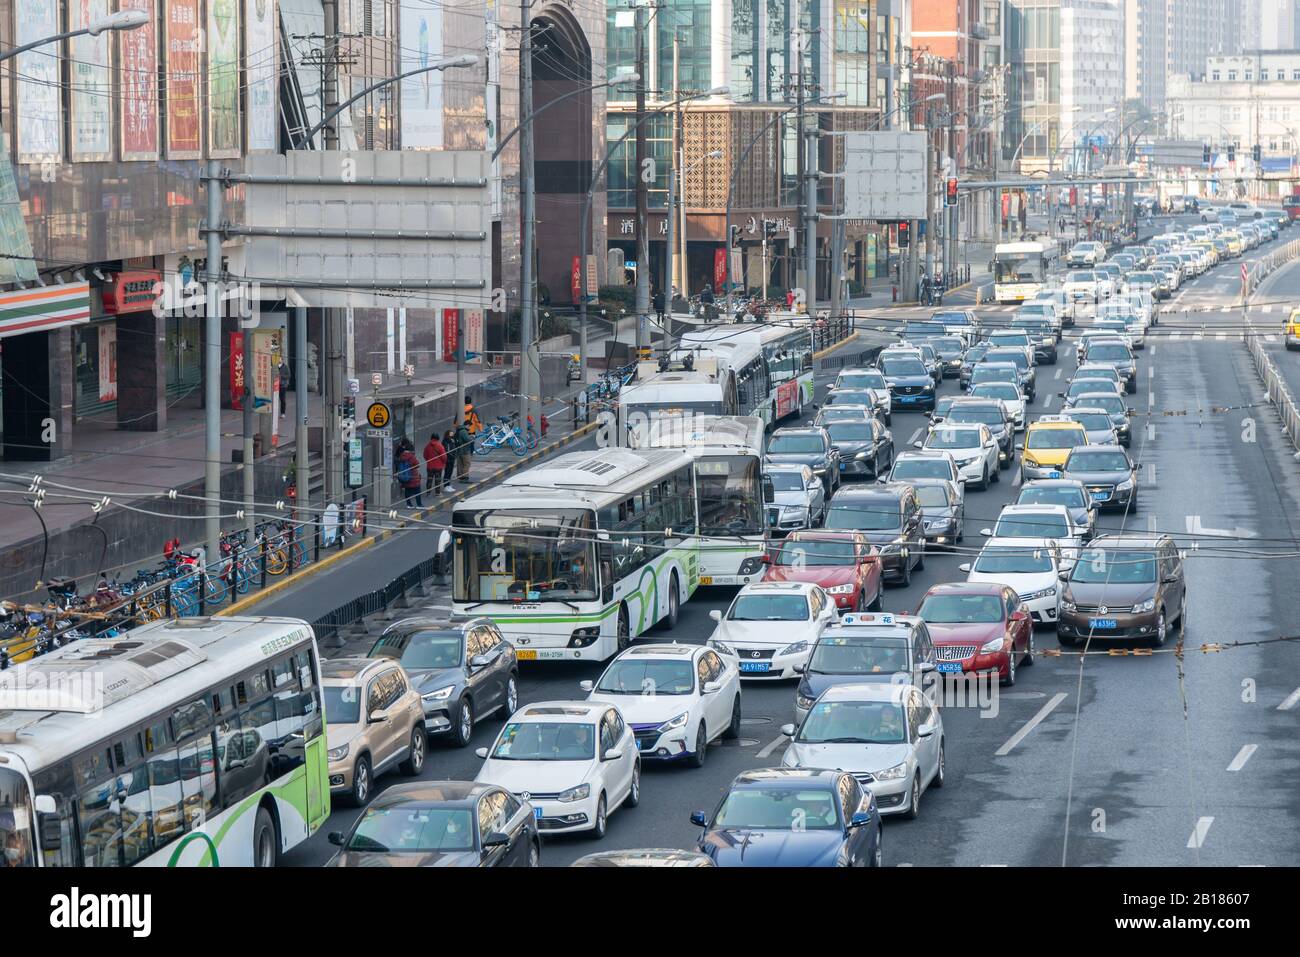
(916, 435)
(1220, 336)
(1198, 835)
(1243, 756)
(1268, 308)
(1151, 523)
(1016, 479)
(1032, 723)
(1058, 373)
(1291, 701)
(772, 746)
(1151, 473)
(1151, 431)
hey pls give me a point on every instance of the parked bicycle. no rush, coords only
(506, 433)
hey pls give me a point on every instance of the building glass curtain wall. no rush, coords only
(690, 20)
(1033, 42)
(853, 52)
(622, 165)
(620, 42)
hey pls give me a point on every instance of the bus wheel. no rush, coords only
(266, 843)
(673, 601)
(624, 629)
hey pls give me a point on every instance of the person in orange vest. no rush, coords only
(472, 422)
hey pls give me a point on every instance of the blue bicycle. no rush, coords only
(505, 434)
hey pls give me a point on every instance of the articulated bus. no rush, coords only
(728, 456)
(187, 742)
(577, 556)
(1020, 269)
(775, 379)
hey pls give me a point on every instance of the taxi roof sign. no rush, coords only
(868, 619)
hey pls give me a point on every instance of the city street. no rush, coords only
(1109, 761)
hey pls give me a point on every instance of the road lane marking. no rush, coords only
(772, 745)
(1226, 309)
(1151, 400)
(1291, 700)
(916, 435)
(1151, 431)
(1175, 336)
(1270, 338)
(1243, 756)
(1197, 840)
(1220, 336)
(1151, 523)
(1032, 723)
(1268, 308)
(1151, 473)
(1016, 479)
(1058, 373)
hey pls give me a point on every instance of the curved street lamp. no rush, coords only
(121, 20)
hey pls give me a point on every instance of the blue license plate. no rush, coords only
(906, 398)
(537, 813)
(948, 667)
(755, 666)
(1102, 623)
(843, 466)
(1100, 496)
(1053, 473)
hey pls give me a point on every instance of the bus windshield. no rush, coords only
(731, 495)
(1018, 267)
(525, 555)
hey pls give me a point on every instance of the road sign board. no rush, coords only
(379, 433)
(378, 415)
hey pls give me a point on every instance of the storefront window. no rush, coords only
(184, 356)
(94, 352)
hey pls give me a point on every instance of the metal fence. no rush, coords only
(1275, 386)
(348, 620)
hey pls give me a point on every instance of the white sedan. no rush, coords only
(575, 761)
(678, 698)
(888, 736)
(1029, 566)
(1010, 396)
(972, 447)
(1052, 522)
(771, 627)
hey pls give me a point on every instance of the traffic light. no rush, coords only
(950, 195)
(904, 234)
(1205, 155)
(769, 228)
(1257, 154)
(1232, 153)
(735, 235)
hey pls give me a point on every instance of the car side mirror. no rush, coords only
(1171, 579)
(1063, 576)
(481, 752)
(699, 819)
(918, 445)
(711, 687)
(716, 614)
(479, 661)
(788, 730)
(1131, 411)
(50, 829)
(986, 532)
(337, 838)
(496, 839)
(964, 567)
(961, 479)
(925, 731)
(926, 666)
(612, 754)
(1019, 616)
(799, 668)
(374, 717)
(860, 819)
(587, 685)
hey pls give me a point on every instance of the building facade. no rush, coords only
(1166, 37)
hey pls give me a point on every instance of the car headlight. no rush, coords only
(995, 644)
(442, 694)
(1029, 460)
(803, 702)
(579, 793)
(1148, 605)
(797, 648)
(721, 646)
(1068, 606)
(891, 774)
(1041, 593)
(672, 724)
(1124, 486)
(846, 589)
(338, 754)
(818, 469)
(862, 456)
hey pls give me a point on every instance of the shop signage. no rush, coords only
(40, 310)
(130, 291)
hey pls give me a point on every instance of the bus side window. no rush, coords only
(198, 781)
(99, 818)
(57, 782)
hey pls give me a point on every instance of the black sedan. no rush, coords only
(866, 448)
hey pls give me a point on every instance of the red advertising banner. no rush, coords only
(719, 268)
(131, 290)
(450, 320)
(138, 56)
(787, 398)
(1074, 196)
(238, 370)
(183, 42)
(575, 280)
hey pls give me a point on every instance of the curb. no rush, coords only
(835, 348)
(312, 569)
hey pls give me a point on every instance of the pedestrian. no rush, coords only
(464, 449)
(658, 302)
(282, 371)
(474, 423)
(706, 295)
(789, 298)
(435, 460)
(449, 443)
(407, 473)
(925, 287)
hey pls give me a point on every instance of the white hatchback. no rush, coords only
(972, 447)
(575, 762)
(1028, 566)
(771, 627)
(678, 698)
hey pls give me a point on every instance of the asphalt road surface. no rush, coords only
(1094, 761)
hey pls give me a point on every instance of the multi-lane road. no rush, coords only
(1147, 761)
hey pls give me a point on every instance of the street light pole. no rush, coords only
(121, 20)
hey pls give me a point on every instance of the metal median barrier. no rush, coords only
(1278, 393)
(348, 620)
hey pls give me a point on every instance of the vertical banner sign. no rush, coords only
(719, 268)
(39, 115)
(223, 78)
(107, 362)
(392, 356)
(92, 87)
(138, 61)
(401, 337)
(575, 279)
(183, 41)
(871, 254)
(354, 463)
(737, 269)
(238, 369)
(474, 335)
(260, 71)
(266, 344)
(450, 319)
(421, 44)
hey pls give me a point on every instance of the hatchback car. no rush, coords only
(463, 670)
(845, 564)
(1107, 473)
(972, 448)
(770, 627)
(1067, 492)
(678, 698)
(375, 722)
(1127, 587)
(978, 627)
(888, 736)
(889, 515)
(806, 445)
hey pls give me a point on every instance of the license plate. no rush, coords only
(948, 667)
(1102, 623)
(1100, 496)
(906, 398)
(755, 666)
(1053, 473)
(537, 813)
(526, 655)
(706, 579)
(843, 466)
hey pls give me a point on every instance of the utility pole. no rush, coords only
(683, 269)
(331, 326)
(300, 443)
(212, 371)
(932, 164)
(528, 204)
(812, 164)
(642, 190)
(803, 281)
(950, 257)
(674, 184)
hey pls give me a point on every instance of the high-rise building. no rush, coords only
(1164, 37)
(1279, 24)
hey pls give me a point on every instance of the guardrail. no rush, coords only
(349, 619)
(1274, 385)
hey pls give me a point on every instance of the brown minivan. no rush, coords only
(1126, 586)
(373, 721)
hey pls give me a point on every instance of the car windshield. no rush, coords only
(1014, 356)
(996, 390)
(797, 444)
(1032, 525)
(342, 704)
(1118, 565)
(921, 467)
(637, 675)
(849, 397)
(1055, 438)
(858, 656)
(408, 829)
(951, 318)
(947, 345)
(1141, 278)
(779, 809)
(953, 439)
(984, 373)
(1109, 351)
(902, 365)
(1097, 372)
(797, 554)
(853, 722)
(870, 515)
(760, 606)
(786, 481)
(1082, 276)
(1112, 402)
(546, 741)
(850, 431)
(976, 352)
(1097, 461)
(420, 650)
(986, 416)
(961, 609)
(1014, 561)
(860, 380)
(1084, 386)
(932, 496)
(1092, 421)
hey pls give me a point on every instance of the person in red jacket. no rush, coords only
(406, 469)
(435, 461)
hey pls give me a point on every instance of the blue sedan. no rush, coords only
(787, 817)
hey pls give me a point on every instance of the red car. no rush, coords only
(978, 626)
(845, 564)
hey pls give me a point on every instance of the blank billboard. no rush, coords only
(884, 175)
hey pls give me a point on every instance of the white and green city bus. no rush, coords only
(775, 378)
(186, 742)
(728, 455)
(577, 556)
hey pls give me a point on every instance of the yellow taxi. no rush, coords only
(1236, 245)
(1209, 250)
(1291, 332)
(1048, 442)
